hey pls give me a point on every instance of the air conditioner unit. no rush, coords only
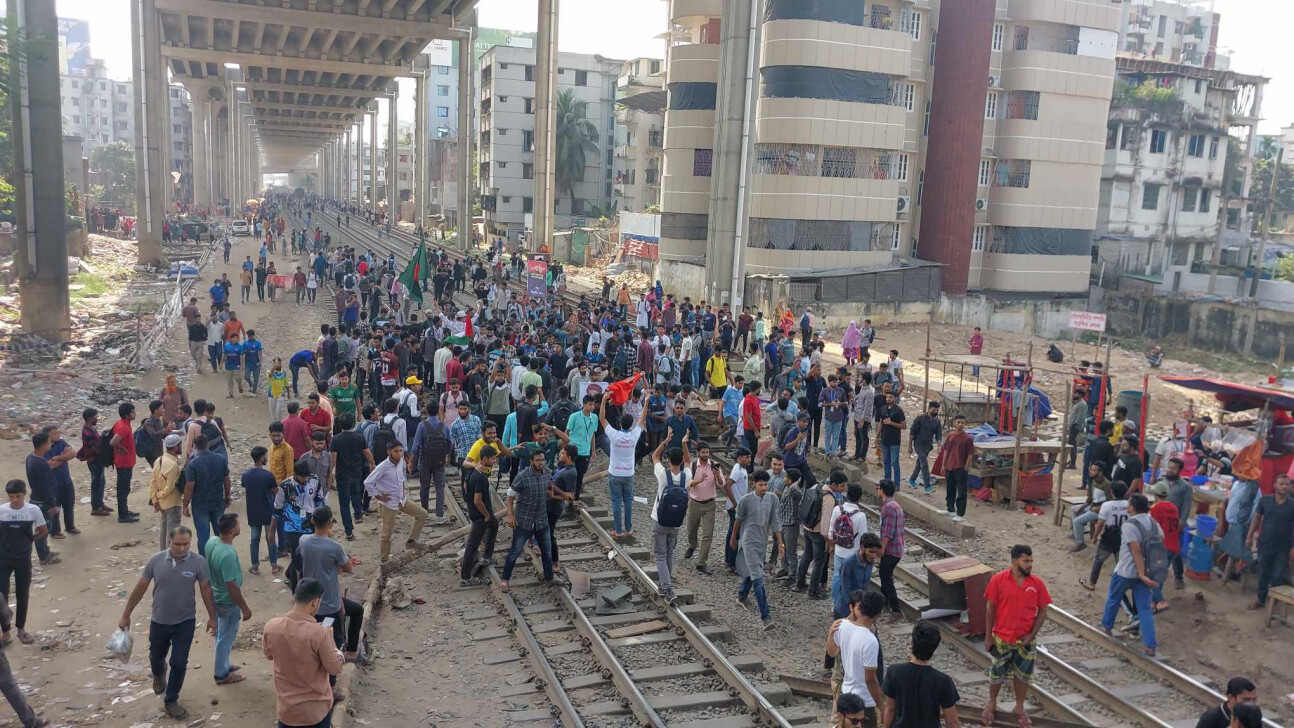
(905, 202)
(994, 81)
(981, 204)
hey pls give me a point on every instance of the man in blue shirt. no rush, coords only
(304, 359)
(233, 362)
(682, 424)
(795, 444)
(732, 397)
(252, 361)
(772, 358)
(218, 294)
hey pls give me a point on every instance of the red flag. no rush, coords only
(619, 392)
(467, 331)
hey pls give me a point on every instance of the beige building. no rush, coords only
(640, 134)
(854, 167)
(1176, 31)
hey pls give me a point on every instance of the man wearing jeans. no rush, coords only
(957, 450)
(926, 431)
(528, 515)
(1130, 572)
(624, 443)
(206, 489)
(227, 593)
(891, 435)
(174, 615)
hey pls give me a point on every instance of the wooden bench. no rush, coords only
(1065, 508)
(1283, 594)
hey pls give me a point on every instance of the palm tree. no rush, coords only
(577, 141)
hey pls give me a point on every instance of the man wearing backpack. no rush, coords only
(848, 524)
(815, 518)
(669, 510)
(431, 449)
(1142, 567)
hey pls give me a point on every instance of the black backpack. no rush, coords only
(382, 439)
(1054, 354)
(103, 453)
(811, 507)
(672, 506)
(560, 413)
(215, 441)
(436, 445)
(1153, 552)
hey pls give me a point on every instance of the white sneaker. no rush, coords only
(958, 519)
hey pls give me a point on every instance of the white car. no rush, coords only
(240, 227)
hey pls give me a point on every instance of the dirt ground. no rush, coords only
(75, 604)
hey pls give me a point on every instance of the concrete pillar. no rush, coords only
(466, 95)
(201, 145)
(727, 219)
(151, 159)
(392, 157)
(231, 148)
(545, 126)
(40, 237)
(372, 160)
(359, 161)
(420, 186)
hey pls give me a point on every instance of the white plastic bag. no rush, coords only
(121, 644)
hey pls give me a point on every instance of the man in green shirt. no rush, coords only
(227, 593)
(546, 439)
(345, 396)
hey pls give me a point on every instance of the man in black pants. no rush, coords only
(480, 511)
(21, 525)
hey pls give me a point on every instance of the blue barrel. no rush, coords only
(1205, 526)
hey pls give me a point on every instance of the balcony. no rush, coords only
(624, 151)
(1058, 73)
(696, 8)
(1102, 14)
(694, 63)
(837, 45)
(823, 198)
(799, 121)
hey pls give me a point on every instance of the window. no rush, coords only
(910, 23)
(1163, 25)
(577, 206)
(990, 107)
(503, 66)
(1111, 136)
(999, 30)
(529, 106)
(985, 172)
(1199, 85)
(1013, 173)
(978, 237)
(1022, 38)
(1213, 148)
(1158, 138)
(904, 95)
(1022, 105)
(1189, 196)
(921, 186)
(530, 73)
(1195, 145)
(76, 102)
(1150, 196)
(897, 238)
(1204, 200)
(926, 130)
(527, 140)
(442, 70)
(702, 159)
(442, 112)
(581, 78)
(502, 165)
(838, 161)
(506, 199)
(527, 204)
(901, 167)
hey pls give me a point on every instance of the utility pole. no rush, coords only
(545, 126)
(1265, 225)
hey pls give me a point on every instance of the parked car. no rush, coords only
(240, 227)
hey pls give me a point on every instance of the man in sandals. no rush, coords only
(1017, 605)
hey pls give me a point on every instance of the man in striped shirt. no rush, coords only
(891, 541)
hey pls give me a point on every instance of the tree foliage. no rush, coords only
(1260, 189)
(1147, 95)
(115, 164)
(1285, 268)
(577, 142)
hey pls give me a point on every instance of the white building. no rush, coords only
(640, 134)
(506, 94)
(1177, 31)
(1163, 182)
(97, 108)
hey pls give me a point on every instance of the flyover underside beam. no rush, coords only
(245, 59)
(317, 88)
(289, 17)
(276, 106)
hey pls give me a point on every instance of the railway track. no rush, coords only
(1084, 677)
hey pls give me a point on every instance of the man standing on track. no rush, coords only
(1017, 608)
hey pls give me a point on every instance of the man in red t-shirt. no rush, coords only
(317, 417)
(390, 371)
(1017, 604)
(123, 459)
(296, 432)
(750, 412)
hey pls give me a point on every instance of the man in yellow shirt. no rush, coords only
(281, 461)
(717, 371)
(164, 489)
(489, 436)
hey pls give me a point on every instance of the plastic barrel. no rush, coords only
(1205, 526)
(1199, 560)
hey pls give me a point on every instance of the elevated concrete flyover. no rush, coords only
(282, 85)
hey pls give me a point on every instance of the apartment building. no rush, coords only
(640, 134)
(506, 123)
(1177, 31)
(860, 177)
(1167, 182)
(442, 129)
(97, 108)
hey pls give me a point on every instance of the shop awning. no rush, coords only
(1236, 397)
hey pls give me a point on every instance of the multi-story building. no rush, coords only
(1286, 140)
(182, 141)
(73, 46)
(506, 118)
(442, 130)
(1164, 183)
(1177, 31)
(874, 148)
(640, 134)
(97, 108)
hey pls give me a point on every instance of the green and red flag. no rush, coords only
(415, 273)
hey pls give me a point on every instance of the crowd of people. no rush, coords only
(446, 374)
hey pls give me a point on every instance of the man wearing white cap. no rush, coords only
(164, 490)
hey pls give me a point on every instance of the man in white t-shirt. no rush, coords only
(1109, 525)
(739, 485)
(857, 651)
(665, 538)
(624, 445)
(22, 524)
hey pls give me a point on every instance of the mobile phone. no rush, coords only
(327, 622)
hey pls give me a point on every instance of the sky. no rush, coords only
(1255, 31)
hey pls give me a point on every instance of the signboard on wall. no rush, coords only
(1086, 321)
(536, 273)
(640, 248)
